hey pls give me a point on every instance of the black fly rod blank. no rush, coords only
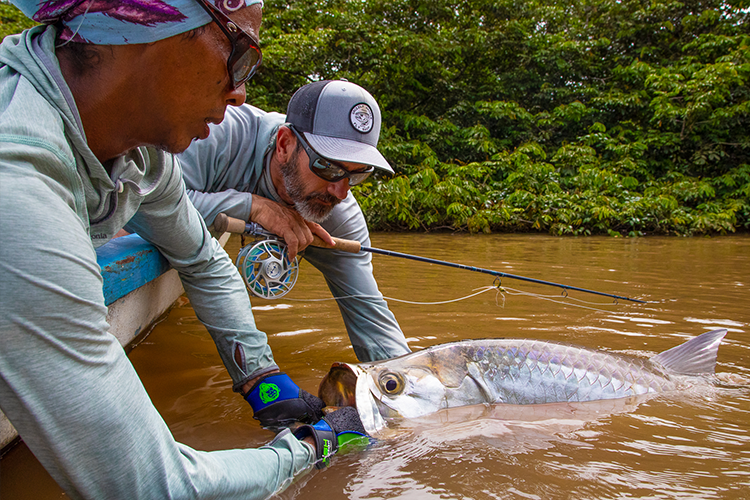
(225, 223)
(493, 273)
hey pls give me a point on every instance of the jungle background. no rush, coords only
(573, 117)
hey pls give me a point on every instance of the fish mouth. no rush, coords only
(346, 385)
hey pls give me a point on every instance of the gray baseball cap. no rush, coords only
(340, 120)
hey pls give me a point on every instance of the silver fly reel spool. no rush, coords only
(266, 268)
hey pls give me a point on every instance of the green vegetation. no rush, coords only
(573, 117)
(619, 117)
(12, 20)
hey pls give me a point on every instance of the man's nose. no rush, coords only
(236, 96)
(339, 189)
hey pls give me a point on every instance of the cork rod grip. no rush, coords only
(350, 246)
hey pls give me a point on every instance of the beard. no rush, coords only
(315, 207)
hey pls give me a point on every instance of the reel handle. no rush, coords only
(224, 223)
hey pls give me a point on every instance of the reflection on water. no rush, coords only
(656, 451)
(513, 429)
(692, 444)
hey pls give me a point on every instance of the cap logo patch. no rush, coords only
(229, 6)
(361, 118)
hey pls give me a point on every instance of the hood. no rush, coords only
(31, 56)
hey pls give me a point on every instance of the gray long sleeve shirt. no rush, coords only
(65, 381)
(223, 172)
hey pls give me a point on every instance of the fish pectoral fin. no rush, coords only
(697, 356)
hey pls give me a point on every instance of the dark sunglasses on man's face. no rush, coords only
(328, 170)
(245, 57)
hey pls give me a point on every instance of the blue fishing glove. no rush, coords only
(337, 430)
(279, 402)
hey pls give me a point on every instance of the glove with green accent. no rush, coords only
(337, 430)
(279, 402)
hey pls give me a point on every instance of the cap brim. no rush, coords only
(337, 149)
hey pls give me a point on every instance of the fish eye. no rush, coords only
(390, 383)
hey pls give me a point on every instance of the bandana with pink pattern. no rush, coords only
(108, 22)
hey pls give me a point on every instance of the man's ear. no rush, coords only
(286, 143)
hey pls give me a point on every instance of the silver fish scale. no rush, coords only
(534, 372)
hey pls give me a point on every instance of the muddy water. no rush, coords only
(694, 444)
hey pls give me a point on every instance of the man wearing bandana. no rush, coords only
(93, 105)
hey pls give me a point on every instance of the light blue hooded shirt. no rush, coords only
(65, 381)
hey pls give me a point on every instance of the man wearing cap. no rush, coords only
(290, 172)
(92, 104)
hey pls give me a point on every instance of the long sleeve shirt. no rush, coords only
(225, 171)
(66, 384)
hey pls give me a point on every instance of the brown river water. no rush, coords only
(692, 444)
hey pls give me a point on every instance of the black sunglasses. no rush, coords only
(245, 57)
(328, 170)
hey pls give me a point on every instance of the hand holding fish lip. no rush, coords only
(333, 432)
(514, 371)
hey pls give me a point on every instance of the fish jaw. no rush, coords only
(367, 406)
(346, 385)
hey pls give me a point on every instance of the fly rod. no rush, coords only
(224, 223)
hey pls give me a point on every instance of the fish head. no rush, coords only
(382, 390)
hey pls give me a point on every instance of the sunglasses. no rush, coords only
(245, 57)
(330, 171)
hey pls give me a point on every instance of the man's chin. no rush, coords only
(174, 149)
(176, 145)
(315, 211)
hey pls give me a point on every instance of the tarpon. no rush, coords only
(509, 371)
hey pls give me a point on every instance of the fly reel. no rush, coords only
(266, 268)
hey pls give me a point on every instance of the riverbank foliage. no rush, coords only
(12, 20)
(621, 117)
